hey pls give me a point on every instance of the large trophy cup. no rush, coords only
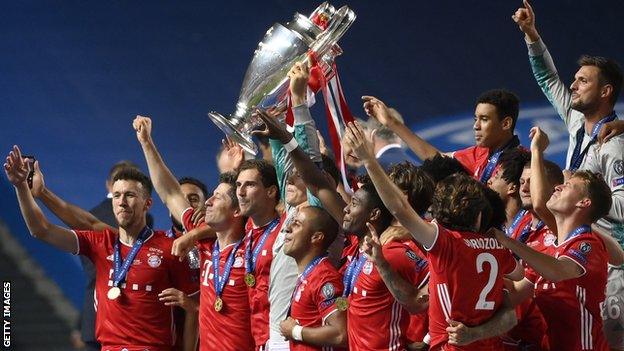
(266, 82)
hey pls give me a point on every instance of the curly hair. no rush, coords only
(415, 182)
(457, 202)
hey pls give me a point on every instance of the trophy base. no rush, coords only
(243, 140)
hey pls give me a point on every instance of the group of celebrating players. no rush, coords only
(488, 248)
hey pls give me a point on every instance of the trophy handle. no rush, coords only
(338, 25)
(324, 9)
(233, 133)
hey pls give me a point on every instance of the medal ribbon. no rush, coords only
(352, 273)
(121, 269)
(577, 155)
(527, 230)
(493, 159)
(578, 231)
(219, 281)
(509, 231)
(250, 260)
(303, 276)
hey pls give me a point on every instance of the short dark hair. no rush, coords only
(119, 166)
(136, 175)
(512, 162)
(324, 222)
(506, 103)
(229, 178)
(457, 202)
(415, 182)
(554, 174)
(598, 192)
(610, 72)
(375, 201)
(267, 172)
(198, 183)
(440, 166)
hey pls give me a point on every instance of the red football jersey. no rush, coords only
(136, 320)
(572, 307)
(351, 245)
(419, 322)
(314, 300)
(230, 328)
(474, 159)
(531, 327)
(466, 285)
(259, 293)
(375, 320)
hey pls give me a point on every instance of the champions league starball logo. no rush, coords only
(452, 133)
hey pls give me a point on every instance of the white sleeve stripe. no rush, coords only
(77, 244)
(435, 240)
(182, 217)
(575, 261)
(329, 314)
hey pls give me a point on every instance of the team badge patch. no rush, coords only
(549, 239)
(238, 262)
(328, 291)
(154, 261)
(617, 182)
(585, 247)
(618, 167)
(368, 267)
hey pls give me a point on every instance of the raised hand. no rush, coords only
(199, 215)
(234, 154)
(525, 19)
(273, 128)
(376, 109)
(299, 75)
(539, 139)
(143, 127)
(15, 167)
(372, 245)
(357, 141)
(38, 183)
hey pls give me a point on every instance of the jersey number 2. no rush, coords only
(482, 258)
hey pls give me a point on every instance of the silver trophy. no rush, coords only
(266, 82)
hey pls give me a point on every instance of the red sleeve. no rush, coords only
(530, 275)
(508, 263)
(468, 158)
(187, 221)
(87, 241)
(407, 263)
(579, 249)
(442, 249)
(326, 293)
(182, 277)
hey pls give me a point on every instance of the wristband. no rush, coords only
(427, 339)
(291, 145)
(297, 331)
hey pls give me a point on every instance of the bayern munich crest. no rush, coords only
(154, 261)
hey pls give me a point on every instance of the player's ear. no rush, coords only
(148, 203)
(317, 238)
(374, 215)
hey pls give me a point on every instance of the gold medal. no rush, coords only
(342, 304)
(218, 305)
(113, 293)
(250, 280)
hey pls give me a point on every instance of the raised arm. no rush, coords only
(424, 232)
(305, 132)
(37, 223)
(165, 184)
(72, 215)
(403, 291)
(311, 175)
(540, 186)
(552, 269)
(542, 64)
(376, 109)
